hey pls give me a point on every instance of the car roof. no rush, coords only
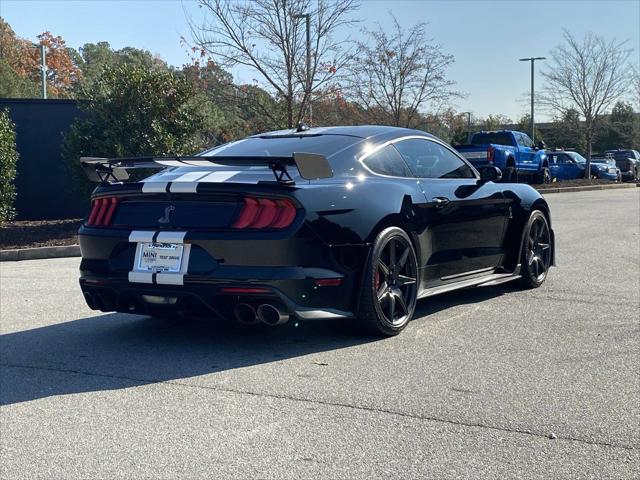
(359, 131)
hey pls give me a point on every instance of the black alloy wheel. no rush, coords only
(536, 250)
(390, 288)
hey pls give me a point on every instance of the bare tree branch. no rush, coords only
(587, 76)
(264, 36)
(396, 75)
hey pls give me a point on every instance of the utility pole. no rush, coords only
(43, 68)
(468, 114)
(532, 121)
(307, 18)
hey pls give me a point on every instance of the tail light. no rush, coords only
(102, 211)
(265, 213)
(490, 152)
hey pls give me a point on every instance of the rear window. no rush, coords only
(326, 145)
(622, 154)
(498, 138)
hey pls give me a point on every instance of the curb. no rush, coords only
(39, 253)
(586, 188)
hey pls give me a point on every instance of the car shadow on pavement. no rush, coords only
(113, 351)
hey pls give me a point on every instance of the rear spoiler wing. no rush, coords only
(311, 166)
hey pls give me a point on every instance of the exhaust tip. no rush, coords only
(245, 314)
(271, 315)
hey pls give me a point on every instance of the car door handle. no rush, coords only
(440, 201)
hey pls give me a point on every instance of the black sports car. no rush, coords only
(339, 222)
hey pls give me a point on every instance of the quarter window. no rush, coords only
(428, 159)
(386, 161)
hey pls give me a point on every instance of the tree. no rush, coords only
(621, 129)
(244, 109)
(399, 74)
(264, 36)
(13, 85)
(8, 160)
(587, 76)
(524, 125)
(134, 111)
(23, 57)
(494, 122)
(635, 77)
(566, 132)
(94, 57)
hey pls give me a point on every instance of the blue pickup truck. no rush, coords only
(512, 152)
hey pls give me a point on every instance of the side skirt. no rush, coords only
(483, 281)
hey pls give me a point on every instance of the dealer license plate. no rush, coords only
(159, 257)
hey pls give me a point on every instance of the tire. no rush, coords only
(390, 284)
(544, 176)
(510, 175)
(535, 258)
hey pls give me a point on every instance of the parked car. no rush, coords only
(569, 165)
(628, 161)
(609, 160)
(512, 152)
(362, 224)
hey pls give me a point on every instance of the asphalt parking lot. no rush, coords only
(492, 382)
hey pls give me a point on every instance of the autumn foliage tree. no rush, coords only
(23, 57)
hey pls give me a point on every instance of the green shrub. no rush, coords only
(8, 160)
(135, 111)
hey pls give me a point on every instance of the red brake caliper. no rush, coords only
(376, 280)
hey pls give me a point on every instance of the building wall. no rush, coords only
(43, 185)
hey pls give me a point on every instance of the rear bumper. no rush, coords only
(222, 273)
(608, 176)
(194, 299)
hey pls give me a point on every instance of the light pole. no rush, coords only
(533, 124)
(43, 68)
(468, 114)
(307, 18)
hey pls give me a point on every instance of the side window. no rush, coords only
(524, 140)
(386, 161)
(428, 159)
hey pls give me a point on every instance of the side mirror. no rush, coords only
(490, 174)
(540, 145)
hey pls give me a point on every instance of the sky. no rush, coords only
(486, 37)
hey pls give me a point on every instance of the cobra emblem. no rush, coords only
(167, 212)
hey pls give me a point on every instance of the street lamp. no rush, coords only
(307, 18)
(533, 61)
